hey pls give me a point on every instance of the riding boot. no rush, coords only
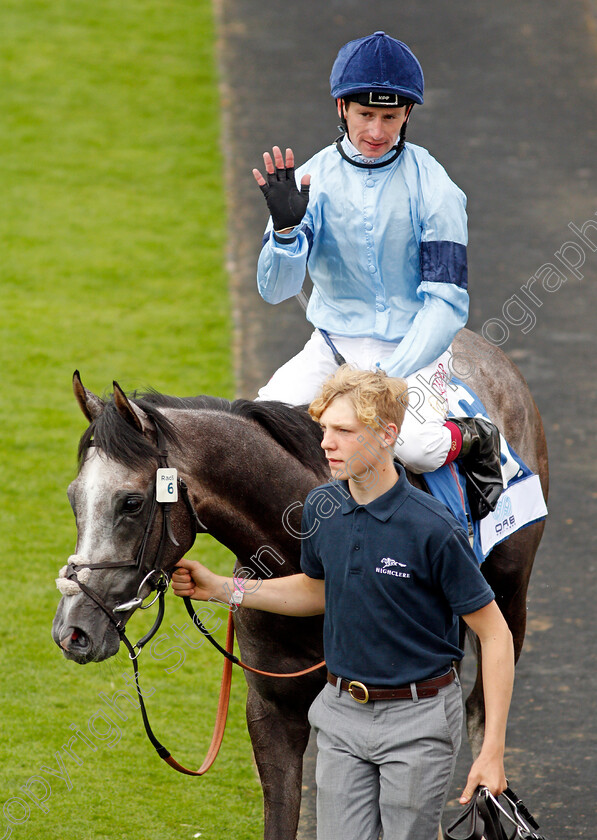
(479, 459)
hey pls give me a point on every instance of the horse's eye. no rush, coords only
(132, 504)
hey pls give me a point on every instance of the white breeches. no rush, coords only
(424, 441)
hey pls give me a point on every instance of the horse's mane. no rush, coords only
(291, 427)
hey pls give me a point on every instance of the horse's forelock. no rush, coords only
(123, 443)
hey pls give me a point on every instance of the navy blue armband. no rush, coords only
(444, 262)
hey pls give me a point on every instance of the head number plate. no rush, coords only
(166, 485)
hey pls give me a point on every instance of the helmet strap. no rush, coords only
(398, 149)
(341, 104)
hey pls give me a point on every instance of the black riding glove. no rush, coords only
(286, 204)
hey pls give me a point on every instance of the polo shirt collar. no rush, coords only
(385, 505)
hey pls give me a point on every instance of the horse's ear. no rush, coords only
(133, 415)
(90, 405)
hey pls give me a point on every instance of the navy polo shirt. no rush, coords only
(398, 571)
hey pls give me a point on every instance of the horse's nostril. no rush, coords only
(75, 639)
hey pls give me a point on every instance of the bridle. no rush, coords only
(158, 580)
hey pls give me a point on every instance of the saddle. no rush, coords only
(521, 502)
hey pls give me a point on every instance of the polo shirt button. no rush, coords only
(372, 269)
(380, 307)
(368, 226)
(369, 182)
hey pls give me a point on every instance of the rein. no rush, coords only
(234, 660)
(160, 585)
(223, 700)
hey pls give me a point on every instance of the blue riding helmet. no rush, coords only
(380, 66)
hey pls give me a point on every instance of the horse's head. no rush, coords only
(122, 532)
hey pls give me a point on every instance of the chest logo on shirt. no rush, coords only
(389, 566)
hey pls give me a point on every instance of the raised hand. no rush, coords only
(287, 205)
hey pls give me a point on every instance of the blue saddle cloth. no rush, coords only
(520, 504)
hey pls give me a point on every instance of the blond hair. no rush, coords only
(375, 395)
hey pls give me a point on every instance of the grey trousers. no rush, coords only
(385, 764)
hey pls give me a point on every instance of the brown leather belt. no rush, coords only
(362, 693)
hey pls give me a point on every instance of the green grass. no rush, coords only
(112, 238)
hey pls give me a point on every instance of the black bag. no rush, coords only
(487, 817)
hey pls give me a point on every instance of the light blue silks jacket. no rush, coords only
(385, 249)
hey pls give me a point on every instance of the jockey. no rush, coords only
(383, 231)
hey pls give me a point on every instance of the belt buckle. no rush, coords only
(358, 684)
